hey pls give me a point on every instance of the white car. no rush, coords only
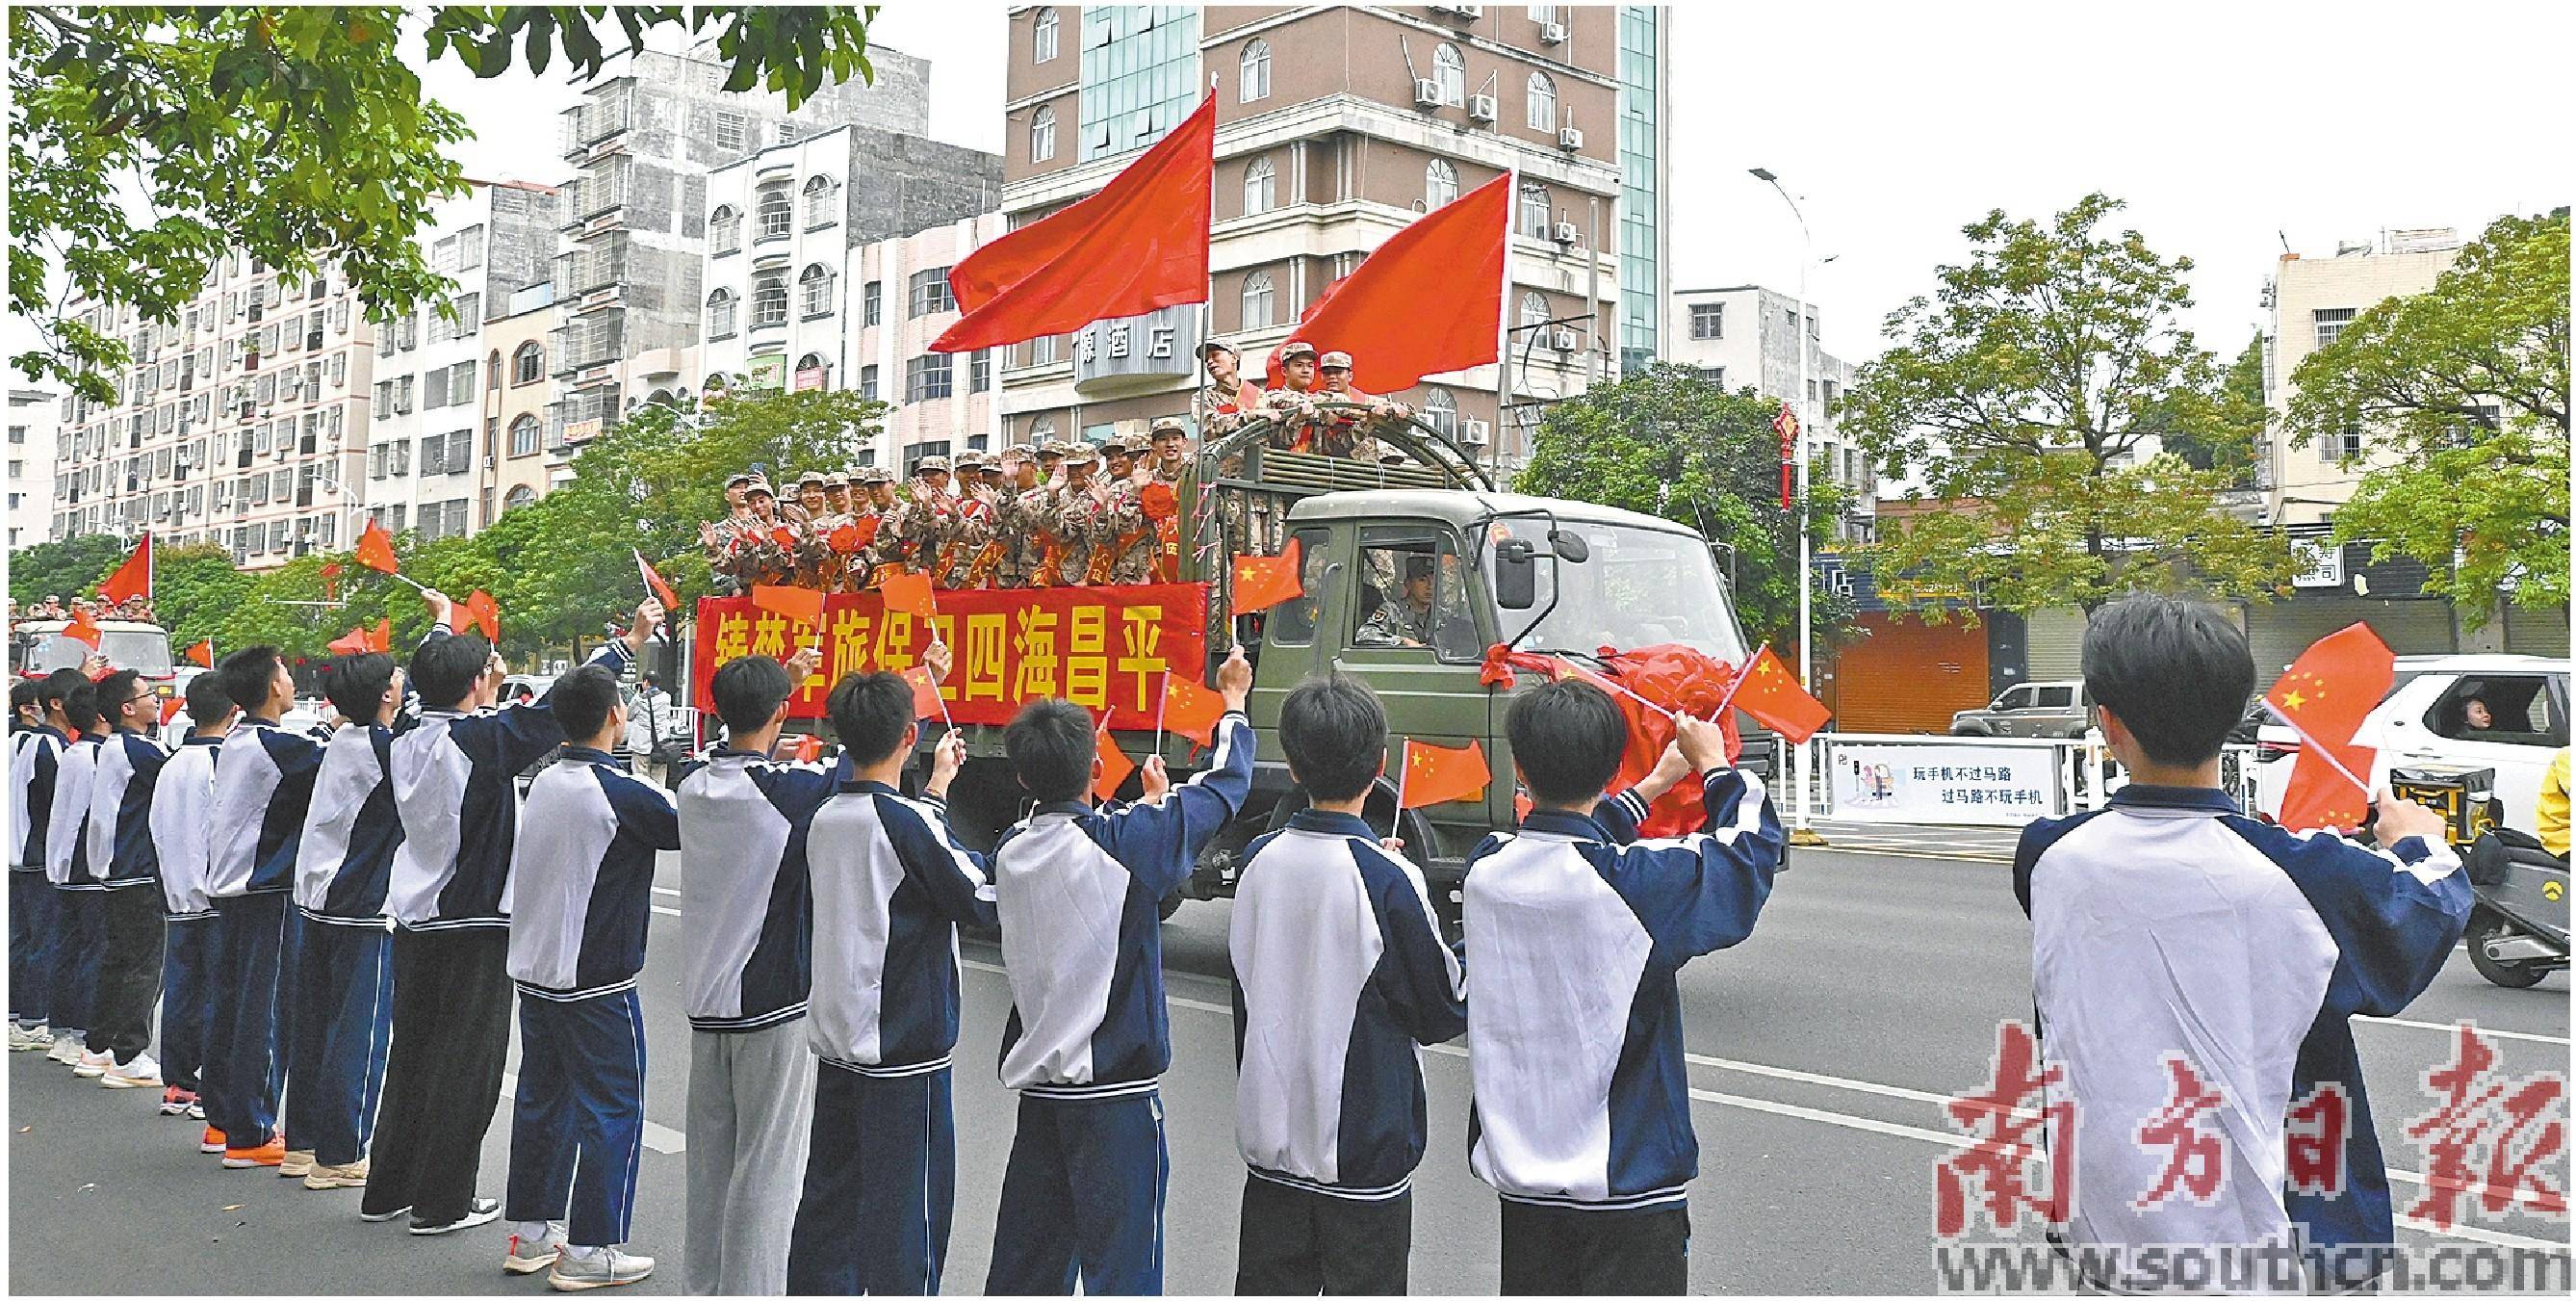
(2426, 720)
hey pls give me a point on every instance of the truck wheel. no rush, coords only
(2485, 925)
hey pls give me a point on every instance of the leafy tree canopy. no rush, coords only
(146, 142)
(1669, 441)
(69, 568)
(2048, 389)
(2461, 395)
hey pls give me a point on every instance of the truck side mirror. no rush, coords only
(1569, 547)
(1515, 574)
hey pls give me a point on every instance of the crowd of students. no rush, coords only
(322, 899)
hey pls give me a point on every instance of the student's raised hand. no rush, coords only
(1668, 773)
(1155, 779)
(801, 665)
(940, 659)
(1702, 744)
(648, 616)
(946, 758)
(2400, 818)
(1234, 679)
(438, 604)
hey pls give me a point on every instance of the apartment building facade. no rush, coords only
(517, 389)
(1336, 126)
(1747, 336)
(2312, 300)
(35, 420)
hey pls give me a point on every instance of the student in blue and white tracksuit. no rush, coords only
(34, 917)
(891, 884)
(455, 788)
(582, 873)
(182, 802)
(747, 947)
(1078, 889)
(2172, 925)
(1575, 932)
(263, 786)
(343, 986)
(1339, 972)
(78, 899)
(128, 872)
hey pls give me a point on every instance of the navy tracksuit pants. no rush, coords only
(81, 918)
(33, 931)
(344, 1013)
(188, 964)
(577, 1132)
(244, 1068)
(880, 1186)
(1082, 1200)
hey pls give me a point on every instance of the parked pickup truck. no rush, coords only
(2033, 709)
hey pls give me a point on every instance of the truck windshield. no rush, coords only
(145, 650)
(1639, 587)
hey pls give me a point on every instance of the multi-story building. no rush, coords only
(434, 435)
(1335, 127)
(827, 267)
(1748, 336)
(2312, 300)
(517, 468)
(243, 422)
(34, 420)
(634, 216)
(1645, 204)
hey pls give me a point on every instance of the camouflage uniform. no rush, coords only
(1121, 535)
(1398, 623)
(1020, 529)
(969, 529)
(1072, 520)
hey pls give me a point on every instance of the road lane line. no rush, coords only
(2448, 1028)
(660, 1138)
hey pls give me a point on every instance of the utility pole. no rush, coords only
(1801, 832)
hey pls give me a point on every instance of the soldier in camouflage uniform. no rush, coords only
(970, 528)
(724, 539)
(886, 550)
(1292, 404)
(1122, 538)
(1409, 617)
(1346, 433)
(1074, 511)
(1170, 462)
(1017, 525)
(1219, 405)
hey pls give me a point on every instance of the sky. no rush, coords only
(2228, 128)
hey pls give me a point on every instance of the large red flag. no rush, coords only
(376, 549)
(1139, 244)
(1774, 698)
(131, 579)
(1452, 257)
(1435, 774)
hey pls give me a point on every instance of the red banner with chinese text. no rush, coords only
(1099, 647)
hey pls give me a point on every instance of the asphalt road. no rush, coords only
(1822, 1049)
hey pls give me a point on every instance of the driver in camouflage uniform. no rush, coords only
(1410, 617)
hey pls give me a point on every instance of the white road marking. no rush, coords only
(2447, 1028)
(667, 912)
(663, 889)
(660, 1138)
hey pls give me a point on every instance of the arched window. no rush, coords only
(1042, 37)
(769, 299)
(661, 398)
(820, 210)
(528, 364)
(814, 290)
(1257, 295)
(809, 364)
(777, 211)
(1440, 411)
(492, 370)
(1533, 308)
(524, 433)
(724, 230)
(714, 387)
(1439, 185)
(1042, 134)
(1255, 81)
(1042, 430)
(519, 496)
(1260, 187)
(720, 323)
(1542, 102)
(1535, 210)
(1449, 68)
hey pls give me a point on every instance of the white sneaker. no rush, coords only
(196, 1111)
(67, 1048)
(29, 1038)
(526, 1257)
(141, 1073)
(582, 1269)
(93, 1065)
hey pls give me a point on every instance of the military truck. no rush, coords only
(1540, 574)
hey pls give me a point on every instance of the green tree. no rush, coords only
(147, 142)
(2037, 388)
(2461, 394)
(69, 568)
(1669, 441)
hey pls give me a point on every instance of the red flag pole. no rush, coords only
(1403, 773)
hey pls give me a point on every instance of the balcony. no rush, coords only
(594, 119)
(597, 265)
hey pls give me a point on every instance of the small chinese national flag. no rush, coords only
(170, 707)
(1114, 763)
(661, 590)
(382, 639)
(82, 629)
(2335, 684)
(486, 613)
(131, 579)
(2319, 796)
(809, 748)
(1771, 694)
(376, 549)
(355, 643)
(1261, 582)
(1436, 774)
(909, 593)
(803, 604)
(925, 692)
(1190, 709)
(202, 654)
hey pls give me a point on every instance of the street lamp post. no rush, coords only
(1801, 832)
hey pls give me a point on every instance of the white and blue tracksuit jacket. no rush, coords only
(120, 811)
(891, 884)
(454, 786)
(182, 807)
(67, 828)
(2169, 923)
(351, 831)
(34, 767)
(1077, 890)
(1338, 973)
(748, 944)
(263, 784)
(1575, 933)
(583, 870)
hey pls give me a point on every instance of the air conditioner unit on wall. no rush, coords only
(1475, 433)
(1570, 139)
(1481, 108)
(1566, 234)
(1551, 33)
(1566, 339)
(1426, 93)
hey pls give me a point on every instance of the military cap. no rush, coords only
(836, 479)
(875, 474)
(1216, 345)
(1055, 448)
(739, 478)
(814, 477)
(931, 465)
(1296, 348)
(1173, 425)
(756, 483)
(1336, 361)
(1025, 451)
(1081, 454)
(970, 459)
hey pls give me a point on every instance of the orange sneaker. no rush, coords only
(269, 1153)
(211, 1142)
